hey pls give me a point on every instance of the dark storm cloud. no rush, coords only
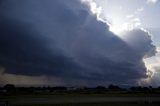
(23, 48)
(63, 38)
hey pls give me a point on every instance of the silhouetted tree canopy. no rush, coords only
(113, 87)
(100, 87)
(9, 87)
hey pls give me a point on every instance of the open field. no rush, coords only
(80, 97)
(83, 101)
(88, 104)
(72, 94)
(91, 104)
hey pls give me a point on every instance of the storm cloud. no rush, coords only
(64, 39)
(141, 41)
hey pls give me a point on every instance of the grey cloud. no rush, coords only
(141, 42)
(153, 1)
(64, 39)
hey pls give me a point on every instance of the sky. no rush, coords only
(79, 42)
(132, 14)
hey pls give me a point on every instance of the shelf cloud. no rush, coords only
(63, 39)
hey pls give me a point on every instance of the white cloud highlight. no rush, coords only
(152, 1)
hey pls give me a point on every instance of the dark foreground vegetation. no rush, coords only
(90, 104)
(10, 90)
(10, 93)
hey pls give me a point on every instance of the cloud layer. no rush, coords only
(152, 1)
(64, 40)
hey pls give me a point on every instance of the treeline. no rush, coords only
(11, 89)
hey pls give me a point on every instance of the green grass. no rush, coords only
(18, 96)
(91, 104)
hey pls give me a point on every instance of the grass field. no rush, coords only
(81, 95)
(89, 104)
(59, 95)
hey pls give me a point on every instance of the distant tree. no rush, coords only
(133, 89)
(9, 87)
(137, 89)
(150, 87)
(100, 87)
(60, 88)
(113, 87)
